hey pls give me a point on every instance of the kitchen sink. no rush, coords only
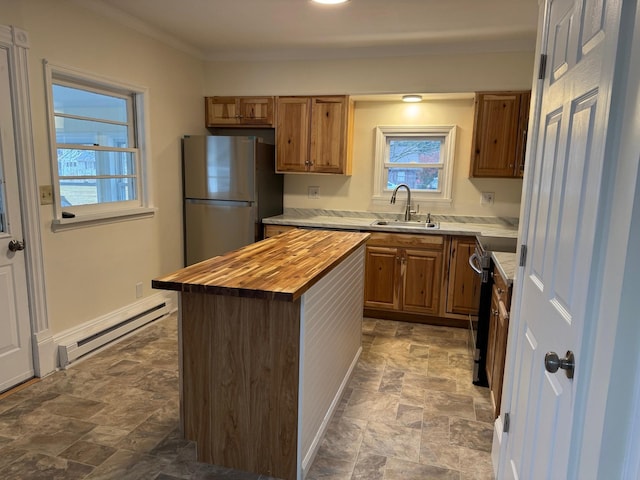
(410, 224)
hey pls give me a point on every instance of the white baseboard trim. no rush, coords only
(311, 454)
(45, 358)
(496, 448)
(73, 343)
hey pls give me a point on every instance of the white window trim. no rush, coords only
(381, 194)
(103, 213)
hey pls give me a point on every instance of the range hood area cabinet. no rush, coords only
(314, 134)
(239, 111)
(499, 134)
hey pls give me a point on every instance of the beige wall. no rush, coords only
(93, 271)
(355, 192)
(432, 73)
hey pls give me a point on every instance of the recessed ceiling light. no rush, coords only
(412, 98)
(330, 2)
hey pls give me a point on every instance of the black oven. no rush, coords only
(480, 261)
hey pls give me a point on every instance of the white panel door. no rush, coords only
(16, 358)
(562, 227)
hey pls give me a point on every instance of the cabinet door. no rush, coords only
(463, 290)
(292, 134)
(495, 135)
(328, 134)
(525, 100)
(500, 354)
(221, 111)
(422, 274)
(382, 273)
(256, 111)
(491, 343)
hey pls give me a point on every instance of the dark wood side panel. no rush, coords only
(240, 393)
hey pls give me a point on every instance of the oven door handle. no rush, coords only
(474, 263)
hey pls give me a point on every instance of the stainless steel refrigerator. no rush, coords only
(229, 186)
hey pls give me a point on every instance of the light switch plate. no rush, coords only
(46, 194)
(313, 192)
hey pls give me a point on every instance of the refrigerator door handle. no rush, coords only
(221, 203)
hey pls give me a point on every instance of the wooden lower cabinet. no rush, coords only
(421, 281)
(382, 272)
(497, 344)
(463, 286)
(403, 273)
(273, 230)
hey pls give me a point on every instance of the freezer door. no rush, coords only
(219, 168)
(214, 228)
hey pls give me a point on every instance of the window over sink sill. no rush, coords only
(99, 148)
(420, 156)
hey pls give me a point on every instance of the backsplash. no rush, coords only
(312, 212)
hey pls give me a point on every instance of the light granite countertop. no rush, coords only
(448, 225)
(507, 265)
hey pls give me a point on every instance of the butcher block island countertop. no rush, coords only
(269, 335)
(279, 268)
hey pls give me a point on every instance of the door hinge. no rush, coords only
(506, 423)
(523, 255)
(542, 69)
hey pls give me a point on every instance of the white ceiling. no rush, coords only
(298, 29)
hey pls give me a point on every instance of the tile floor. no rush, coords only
(410, 412)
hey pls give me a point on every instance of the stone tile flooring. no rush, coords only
(410, 412)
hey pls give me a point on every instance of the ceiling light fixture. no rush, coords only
(330, 2)
(412, 98)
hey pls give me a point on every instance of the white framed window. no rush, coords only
(419, 156)
(98, 147)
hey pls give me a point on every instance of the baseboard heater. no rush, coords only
(72, 350)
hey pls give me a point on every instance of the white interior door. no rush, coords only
(565, 196)
(16, 357)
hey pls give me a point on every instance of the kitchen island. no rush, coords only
(269, 335)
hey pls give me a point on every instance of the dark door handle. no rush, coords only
(16, 245)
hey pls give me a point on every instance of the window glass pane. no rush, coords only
(88, 132)
(426, 179)
(82, 103)
(87, 192)
(419, 150)
(80, 163)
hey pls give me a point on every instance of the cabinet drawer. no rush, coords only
(406, 240)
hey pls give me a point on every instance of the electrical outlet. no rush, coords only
(313, 192)
(487, 198)
(139, 290)
(46, 194)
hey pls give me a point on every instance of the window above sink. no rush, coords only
(420, 156)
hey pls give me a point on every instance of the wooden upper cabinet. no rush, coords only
(313, 134)
(499, 134)
(292, 134)
(463, 289)
(239, 111)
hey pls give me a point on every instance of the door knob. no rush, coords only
(16, 245)
(552, 363)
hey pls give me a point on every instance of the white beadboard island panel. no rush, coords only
(331, 334)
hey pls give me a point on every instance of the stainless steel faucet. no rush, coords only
(407, 211)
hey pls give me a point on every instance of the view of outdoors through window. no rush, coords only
(97, 161)
(416, 162)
